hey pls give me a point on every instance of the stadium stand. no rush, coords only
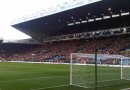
(60, 51)
(109, 31)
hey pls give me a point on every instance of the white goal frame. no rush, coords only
(125, 66)
(104, 55)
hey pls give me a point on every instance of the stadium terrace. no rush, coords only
(83, 47)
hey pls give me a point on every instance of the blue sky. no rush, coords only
(12, 9)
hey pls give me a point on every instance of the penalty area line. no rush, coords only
(50, 87)
(126, 89)
(35, 78)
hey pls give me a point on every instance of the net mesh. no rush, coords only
(108, 70)
(125, 69)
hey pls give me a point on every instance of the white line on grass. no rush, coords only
(33, 78)
(126, 89)
(51, 87)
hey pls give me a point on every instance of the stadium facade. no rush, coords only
(100, 16)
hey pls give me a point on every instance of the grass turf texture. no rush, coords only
(28, 76)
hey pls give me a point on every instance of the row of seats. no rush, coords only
(60, 51)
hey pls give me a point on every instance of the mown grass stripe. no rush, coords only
(50, 87)
(33, 78)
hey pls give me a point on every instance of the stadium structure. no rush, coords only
(94, 17)
(77, 27)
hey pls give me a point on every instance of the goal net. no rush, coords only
(125, 68)
(80, 74)
(109, 71)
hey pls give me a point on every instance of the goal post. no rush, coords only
(71, 62)
(125, 68)
(111, 69)
(80, 74)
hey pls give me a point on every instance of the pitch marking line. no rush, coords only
(50, 87)
(34, 78)
(126, 89)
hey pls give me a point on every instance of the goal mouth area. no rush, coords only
(125, 79)
(126, 89)
(119, 81)
(90, 70)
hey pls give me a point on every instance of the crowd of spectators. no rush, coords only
(60, 51)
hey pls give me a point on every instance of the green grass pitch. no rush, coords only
(30, 76)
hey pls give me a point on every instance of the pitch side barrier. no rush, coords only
(73, 64)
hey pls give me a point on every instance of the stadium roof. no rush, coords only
(57, 24)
